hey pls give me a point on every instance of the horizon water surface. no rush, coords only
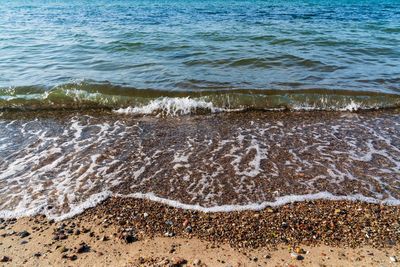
(210, 105)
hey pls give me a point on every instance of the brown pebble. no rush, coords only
(5, 259)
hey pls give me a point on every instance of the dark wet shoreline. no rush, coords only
(333, 223)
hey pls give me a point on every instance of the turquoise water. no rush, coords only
(63, 52)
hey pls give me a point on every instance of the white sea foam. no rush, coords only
(280, 201)
(174, 106)
(170, 106)
(83, 161)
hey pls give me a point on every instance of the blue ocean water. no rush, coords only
(118, 47)
(84, 67)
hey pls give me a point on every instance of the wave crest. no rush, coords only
(83, 95)
(171, 106)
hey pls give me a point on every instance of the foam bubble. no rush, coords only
(171, 106)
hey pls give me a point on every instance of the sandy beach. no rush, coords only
(133, 232)
(200, 133)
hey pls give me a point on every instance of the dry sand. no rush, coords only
(162, 251)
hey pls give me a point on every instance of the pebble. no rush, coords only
(73, 257)
(23, 242)
(393, 258)
(196, 262)
(145, 215)
(83, 247)
(168, 234)
(128, 237)
(177, 261)
(296, 256)
(5, 259)
(300, 251)
(63, 249)
(24, 234)
(188, 229)
(62, 236)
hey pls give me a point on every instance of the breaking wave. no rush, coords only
(86, 95)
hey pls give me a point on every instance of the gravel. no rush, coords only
(335, 223)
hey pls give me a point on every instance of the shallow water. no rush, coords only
(227, 161)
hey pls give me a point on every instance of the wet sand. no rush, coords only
(230, 161)
(133, 232)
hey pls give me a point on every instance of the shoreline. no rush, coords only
(137, 232)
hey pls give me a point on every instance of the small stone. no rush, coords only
(185, 223)
(73, 257)
(196, 262)
(83, 247)
(5, 259)
(23, 242)
(177, 261)
(62, 236)
(128, 238)
(169, 223)
(24, 234)
(104, 238)
(188, 229)
(300, 251)
(77, 232)
(267, 256)
(340, 212)
(63, 249)
(296, 256)
(145, 215)
(393, 258)
(37, 254)
(168, 234)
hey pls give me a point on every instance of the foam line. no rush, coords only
(280, 201)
